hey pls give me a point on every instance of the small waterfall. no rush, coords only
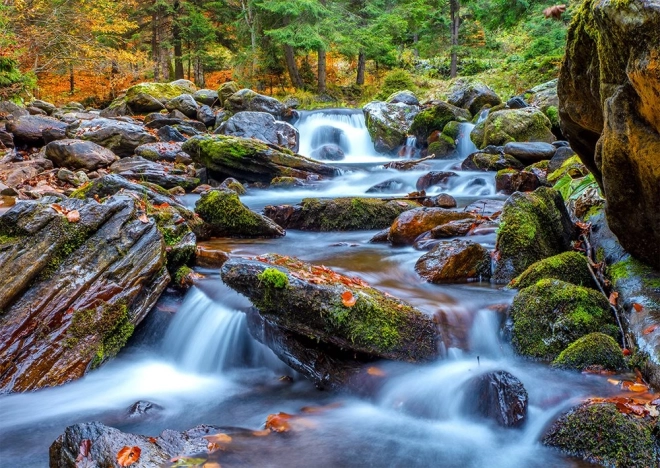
(205, 336)
(483, 115)
(464, 145)
(409, 150)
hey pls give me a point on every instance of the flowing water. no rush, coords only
(194, 357)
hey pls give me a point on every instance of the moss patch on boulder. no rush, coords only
(594, 349)
(509, 125)
(436, 117)
(571, 267)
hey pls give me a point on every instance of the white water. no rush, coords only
(464, 145)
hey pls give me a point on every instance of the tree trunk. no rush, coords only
(164, 57)
(176, 40)
(155, 27)
(455, 7)
(362, 62)
(72, 82)
(199, 72)
(322, 71)
(292, 66)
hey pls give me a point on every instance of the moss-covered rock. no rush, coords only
(147, 97)
(226, 216)
(599, 433)
(592, 350)
(550, 315)
(227, 89)
(388, 124)
(338, 214)
(572, 167)
(571, 267)
(472, 95)
(490, 162)
(534, 226)
(444, 147)
(452, 130)
(510, 125)
(435, 117)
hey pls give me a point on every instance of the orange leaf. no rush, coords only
(263, 433)
(128, 455)
(211, 465)
(649, 329)
(278, 422)
(217, 441)
(638, 307)
(59, 208)
(348, 299)
(73, 216)
(375, 371)
(634, 386)
(613, 297)
(626, 352)
(162, 205)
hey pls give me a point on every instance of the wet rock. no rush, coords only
(6, 139)
(380, 236)
(375, 324)
(232, 184)
(498, 396)
(581, 432)
(262, 126)
(209, 256)
(159, 151)
(338, 214)
(455, 262)
(79, 154)
(167, 133)
(147, 97)
(53, 134)
(540, 170)
(571, 167)
(74, 178)
(434, 178)
(404, 97)
(490, 162)
(143, 408)
(388, 124)
(571, 267)
(206, 97)
(508, 181)
(70, 287)
(561, 155)
(485, 207)
(206, 115)
(435, 117)
(27, 129)
(120, 137)
(535, 226)
(443, 200)
(595, 350)
(182, 124)
(47, 107)
(472, 95)
(443, 148)
(226, 216)
(36, 111)
(248, 100)
(410, 224)
(16, 172)
(516, 102)
(457, 228)
(287, 182)
(550, 315)
(328, 152)
(9, 108)
(388, 186)
(530, 152)
(251, 160)
(511, 125)
(185, 104)
(227, 89)
(139, 168)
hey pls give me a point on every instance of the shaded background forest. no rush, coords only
(324, 52)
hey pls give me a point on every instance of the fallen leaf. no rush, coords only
(653, 410)
(73, 216)
(128, 455)
(161, 206)
(348, 299)
(261, 433)
(614, 382)
(626, 352)
(638, 307)
(613, 297)
(375, 371)
(211, 465)
(649, 329)
(143, 218)
(152, 440)
(59, 208)
(634, 386)
(278, 422)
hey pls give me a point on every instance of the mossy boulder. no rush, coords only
(571, 267)
(444, 147)
(435, 117)
(248, 100)
(533, 226)
(511, 125)
(592, 350)
(389, 124)
(455, 261)
(550, 315)
(227, 89)
(338, 214)
(571, 167)
(315, 302)
(599, 433)
(490, 162)
(452, 130)
(472, 95)
(147, 97)
(251, 160)
(508, 181)
(226, 216)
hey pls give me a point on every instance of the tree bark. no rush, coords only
(292, 66)
(454, 8)
(322, 71)
(176, 39)
(72, 82)
(155, 52)
(362, 62)
(199, 72)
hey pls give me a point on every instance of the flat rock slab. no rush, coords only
(79, 154)
(530, 152)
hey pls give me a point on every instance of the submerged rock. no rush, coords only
(321, 304)
(571, 267)
(498, 396)
(455, 261)
(592, 350)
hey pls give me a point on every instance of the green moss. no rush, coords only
(452, 130)
(630, 268)
(81, 192)
(594, 349)
(550, 315)
(181, 275)
(5, 239)
(435, 118)
(553, 115)
(507, 126)
(165, 91)
(572, 167)
(70, 236)
(274, 278)
(571, 267)
(443, 147)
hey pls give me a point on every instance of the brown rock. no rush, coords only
(410, 224)
(455, 261)
(508, 182)
(434, 178)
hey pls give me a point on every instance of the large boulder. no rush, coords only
(207, 97)
(509, 125)
(530, 152)
(316, 302)
(404, 97)
(248, 100)
(609, 93)
(27, 130)
(227, 89)
(337, 214)
(389, 123)
(498, 396)
(11, 110)
(147, 97)
(73, 287)
(251, 160)
(454, 262)
(410, 224)
(138, 168)
(120, 137)
(79, 154)
(534, 226)
(185, 104)
(262, 126)
(434, 117)
(595, 350)
(472, 95)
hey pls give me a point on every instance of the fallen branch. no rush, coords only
(407, 164)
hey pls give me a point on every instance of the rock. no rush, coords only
(435, 117)
(530, 152)
(403, 97)
(79, 154)
(251, 160)
(571, 267)
(540, 170)
(169, 134)
(443, 200)
(595, 350)
(434, 178)
(226, 216)
(261, 126)
(149, 97)
(508, 181)
(388, 186)
(544, 96)
(206, 115)
(485, 207)
(380, 236)
(329, 152)
(47, 107)
(76, 179)
(388, 124)
(232, 184)
(209, 256)
(375, 324)
(225, 90)
(455, 261)
(456, 228)
(15, 173)
(534, 226)
(516, 102)
(550, 315)
(185, 104)
(53, 134)
(27, 129)
(36, 111)
(443, 148)
(143, 102)
(143, 408)
(206, 97)
(561, 155)
(6, 139)
(138, 168)
(512, 125)
(498, 396)
(53, 274)
(572, 167)
(472, 95)
(248, 100)
(490, 162)
(338, 214)
(410, 224)
(8, 108)
(159, 151)
(120, 137)
(581, 432)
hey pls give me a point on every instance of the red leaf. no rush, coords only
(650, 329)
(128, 455)
(626, 352)
(638, 307)
(348, 299)
(613, 297)
(278, 422)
